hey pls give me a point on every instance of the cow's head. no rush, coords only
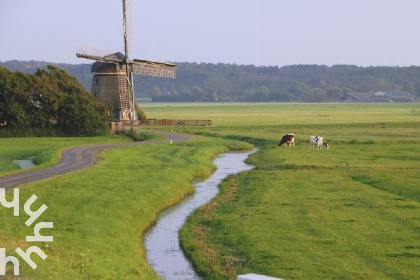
(325, 144)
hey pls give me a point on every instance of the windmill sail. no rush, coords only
(108, 58)
(125, 96)
(152, 68)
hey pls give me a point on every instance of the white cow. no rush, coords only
(316, 141)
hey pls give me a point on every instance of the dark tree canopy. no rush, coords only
(49, 99)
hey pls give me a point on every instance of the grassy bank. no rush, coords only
(295, 216)
(100, 213)
(46, 150)
(350, 212)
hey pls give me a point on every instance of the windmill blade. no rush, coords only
(124, 94)
(152, 68)
(126, 27)
(89, 50)
(98, 54)
(108, 58)
(99, 58)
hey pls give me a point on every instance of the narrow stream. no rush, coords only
(161, 241)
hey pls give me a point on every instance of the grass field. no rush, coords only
(351, 212)
(255, 114)
(45, 150)
(100, 213)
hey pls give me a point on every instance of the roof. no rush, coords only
(381, 96)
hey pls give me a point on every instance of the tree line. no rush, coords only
(49, 102)
(204, 82)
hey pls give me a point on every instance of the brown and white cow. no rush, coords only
(288, 138)
(316, 141)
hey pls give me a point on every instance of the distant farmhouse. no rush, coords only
(380, 96)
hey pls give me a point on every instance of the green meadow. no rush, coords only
(351, 212)
(45, 150)
(100, 213)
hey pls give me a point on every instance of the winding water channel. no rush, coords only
(161, 241)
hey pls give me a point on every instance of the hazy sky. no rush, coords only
(264, 32)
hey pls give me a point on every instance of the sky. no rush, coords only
(244, 32)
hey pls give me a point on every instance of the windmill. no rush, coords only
(112, 82)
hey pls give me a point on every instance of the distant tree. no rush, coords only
(230, 82)
(156, 92)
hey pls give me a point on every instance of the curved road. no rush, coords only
(77, 158)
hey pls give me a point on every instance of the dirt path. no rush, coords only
(77, 158)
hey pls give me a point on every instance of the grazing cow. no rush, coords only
(316, 141)
(2, 123)
(288, 138)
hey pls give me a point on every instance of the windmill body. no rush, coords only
(112, 82)
(110, 85)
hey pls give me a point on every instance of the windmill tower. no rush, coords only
(112, 82)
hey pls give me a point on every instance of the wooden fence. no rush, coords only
(167, 122)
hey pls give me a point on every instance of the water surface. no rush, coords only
(25, 163)
(162, 240)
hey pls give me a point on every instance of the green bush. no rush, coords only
(139, 136)
(48, 103)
